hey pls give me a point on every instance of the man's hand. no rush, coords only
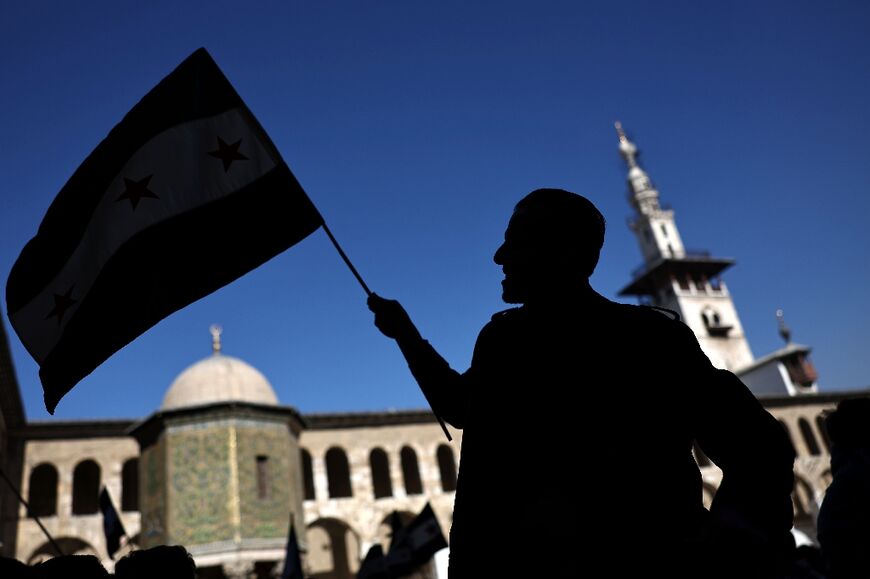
(392, 319)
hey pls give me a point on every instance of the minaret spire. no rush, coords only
(674, 278)
(654, 227)
(642, 195)
(626, 147)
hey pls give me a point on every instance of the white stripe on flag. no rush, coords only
(184, 177)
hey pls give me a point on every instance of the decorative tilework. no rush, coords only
(199, 482)
(268, 517)
(152, 496)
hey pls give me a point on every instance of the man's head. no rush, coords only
(552, 244)
(849, 425)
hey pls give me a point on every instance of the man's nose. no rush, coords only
(498, 258)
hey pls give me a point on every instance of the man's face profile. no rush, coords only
(521, 259)
(539, 257)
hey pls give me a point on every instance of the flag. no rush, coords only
(396, 526)
(416, 543)
(374, 566)
(113, 528)
(184, 195)
(292, 560)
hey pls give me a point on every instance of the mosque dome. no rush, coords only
(219, 378)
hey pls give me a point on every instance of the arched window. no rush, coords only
(307, 475)
(69, 546)
(130, 485)
(380, 466)
(411, 471)
(333, 549)
(338, 473)
(820, 422)
(809, 437)
(43, 490)
(447, 466)
(710, 318)
(86, 488)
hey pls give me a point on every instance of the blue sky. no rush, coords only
(415, 127)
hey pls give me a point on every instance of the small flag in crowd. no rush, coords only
(374, 566)
(113, 528)
(292, 559)
(184, 195)
(416, 543)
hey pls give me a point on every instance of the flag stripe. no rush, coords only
(195, 89)
(207, 247)
(166, 160)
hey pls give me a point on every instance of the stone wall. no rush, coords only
(363, 515)
(109, 453)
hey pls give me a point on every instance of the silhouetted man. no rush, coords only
(579, 416)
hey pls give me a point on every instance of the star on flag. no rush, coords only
(137, 190)
(62, 303)
(228, 153)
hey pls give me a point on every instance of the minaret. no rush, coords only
(672, 277)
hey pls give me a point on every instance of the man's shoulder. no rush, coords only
(507, 315)
(648, 315)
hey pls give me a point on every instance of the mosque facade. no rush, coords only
(223, 468)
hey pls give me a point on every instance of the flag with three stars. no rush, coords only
(184, 195)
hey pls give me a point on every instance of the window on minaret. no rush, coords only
(665, 233)
(715, 284)
(683, 280)
(264, 488)
(700, 283)
(713, 322)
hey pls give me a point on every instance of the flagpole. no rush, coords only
(30, 513)
(369, 293)
(346, 260)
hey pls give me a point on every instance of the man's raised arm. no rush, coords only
(442, 385)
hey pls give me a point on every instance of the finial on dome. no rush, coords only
(216, 332)
(784, 330)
